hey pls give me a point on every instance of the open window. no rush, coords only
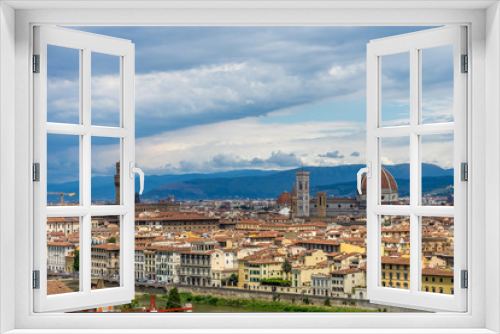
(404, 276)
(73, 217)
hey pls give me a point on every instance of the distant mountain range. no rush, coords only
(339, 181)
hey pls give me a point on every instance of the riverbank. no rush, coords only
(209, 303)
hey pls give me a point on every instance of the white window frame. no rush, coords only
(86, 44)
(413, 43)
(483, 21)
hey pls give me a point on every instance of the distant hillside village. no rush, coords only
(295, 244)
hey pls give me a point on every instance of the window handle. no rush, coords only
(368, 171)
(136, 170)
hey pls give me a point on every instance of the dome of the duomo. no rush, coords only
(284, 199)
(388, 183)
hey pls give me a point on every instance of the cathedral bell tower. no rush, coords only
(302, 193)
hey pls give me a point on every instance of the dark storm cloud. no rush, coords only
(277, 160)
(333, 155)
(285, 66)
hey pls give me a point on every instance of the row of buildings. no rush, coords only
(325, 259)
(303, 252)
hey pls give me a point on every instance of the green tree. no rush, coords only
(287, 267)
(174, 299)
(76, 261)
(112, 240)
(233, 280)
(133, 304)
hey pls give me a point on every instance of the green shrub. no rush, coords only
(305, 300)
(275, 282)
(327, 302)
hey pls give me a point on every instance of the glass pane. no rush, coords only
(437, 84)
(437, 169)
(106, 176)
(395, 171)
(63, 260)
(395, 248)
(395, 89)
(437, 255)
(105, 254)
(63, 169)
(105, 90)
(63, 85)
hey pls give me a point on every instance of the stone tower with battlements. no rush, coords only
(321, 204)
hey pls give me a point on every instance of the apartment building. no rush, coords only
(139, 262)
(150, 263)
(195, 263)
(396, 272)
(56, 255)
(66, 225)
(344, 282)
(105, 259)
(223, 263)
(437, 280)
(168, 264)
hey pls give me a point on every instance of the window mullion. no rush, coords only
(415, 169)
(86, 173)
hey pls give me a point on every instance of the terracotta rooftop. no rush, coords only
(396, 260)
(57, 287)
(437, 272)
(107, 246)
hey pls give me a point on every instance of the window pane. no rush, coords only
(437, 84)
(395, 171)
(105, 252)
(63, 169)
(395, 86)
(437, 169)
(395, 248)
(63, 260)
(105, 90)
(437, 254)
(63, 85)
(106, 177)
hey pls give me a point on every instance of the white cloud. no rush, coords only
(248, 143)
(346, 71)
(202, 95)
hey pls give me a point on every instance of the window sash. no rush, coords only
(412, 43)
(86, 43)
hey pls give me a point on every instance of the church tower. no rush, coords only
(321, 205)
(302, 193)
(293, 211)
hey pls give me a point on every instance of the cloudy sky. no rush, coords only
(222, 98)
